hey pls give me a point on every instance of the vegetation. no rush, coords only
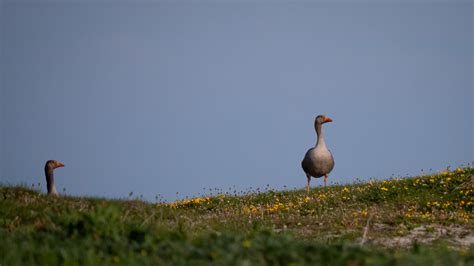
(426, 220)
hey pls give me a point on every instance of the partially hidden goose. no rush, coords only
(49, 172)
(318, 160)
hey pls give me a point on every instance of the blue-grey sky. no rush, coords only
(161, 97)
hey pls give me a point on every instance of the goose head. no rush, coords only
(53, 164)
(49, 172)
(318, 122)
(321, 119)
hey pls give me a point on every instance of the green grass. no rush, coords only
(425, 220)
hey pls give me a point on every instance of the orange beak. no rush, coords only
(59, 164)
(327, 119)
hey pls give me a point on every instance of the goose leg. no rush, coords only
(309, 180)
(325, 180)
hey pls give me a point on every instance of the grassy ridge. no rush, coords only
(424, 220)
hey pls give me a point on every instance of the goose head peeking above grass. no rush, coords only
(318, 160)
(49, 172)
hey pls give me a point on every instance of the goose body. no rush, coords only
(318, 161)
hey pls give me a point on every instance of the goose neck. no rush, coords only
(320, 137)
(50, 181)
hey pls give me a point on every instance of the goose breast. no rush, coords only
(318, 161)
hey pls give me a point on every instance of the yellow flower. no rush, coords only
(384, 188)
(189, 203)
(249, 209)
(246, 243)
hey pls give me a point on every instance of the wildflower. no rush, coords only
(249, 209)
(246, 243)
(276, 207)
(189, 203)
(384, 188)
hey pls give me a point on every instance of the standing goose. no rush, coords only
(318, 161)
(49, 172)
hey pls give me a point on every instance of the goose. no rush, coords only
(49, 172)
(318, 161)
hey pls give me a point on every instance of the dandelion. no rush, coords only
(189, 203)
(246, 243)
(249, 210)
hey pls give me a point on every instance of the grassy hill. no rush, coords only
(426, 220)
